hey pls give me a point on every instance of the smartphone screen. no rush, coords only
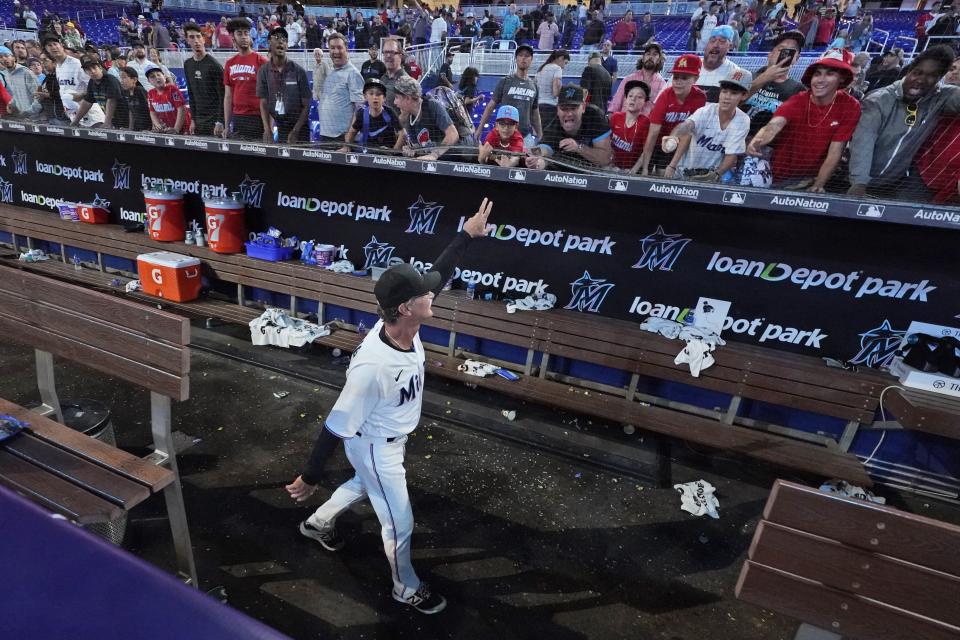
(786, 54)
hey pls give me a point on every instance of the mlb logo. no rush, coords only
(734, 197)
(617, 185)
(76, 133)
(430, 167)
(171, 142)
(284, 152)
(36, 129)
(121, 137)
(871, 210)
(353, 158)
(518, 174)
(224, 146)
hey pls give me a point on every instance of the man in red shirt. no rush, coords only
(241, 106)
(625, 33)
(168, 109)
(674, 105)
(503, 137)
(813, 127)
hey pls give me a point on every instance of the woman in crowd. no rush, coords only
(467, 88)
(549, 79)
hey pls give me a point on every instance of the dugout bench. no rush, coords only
(547, 342)
(65, 471)
(849, 568)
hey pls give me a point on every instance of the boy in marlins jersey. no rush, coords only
(378, 406)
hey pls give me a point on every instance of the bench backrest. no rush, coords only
(855, 568)
(118, 337)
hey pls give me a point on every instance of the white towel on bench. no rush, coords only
(275, 327)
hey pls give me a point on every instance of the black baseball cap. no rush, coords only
(523, 47)
(401, 283)
(793, 34)
(637, 83)
(375, 83)
(279, 30)
(88, 62)
(50, 38)
(572, 94)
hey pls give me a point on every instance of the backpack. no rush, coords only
(453, 104)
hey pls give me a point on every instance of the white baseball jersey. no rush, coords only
(383, 394)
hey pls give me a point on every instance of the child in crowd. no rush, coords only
(503, 137)
(168, 109)
(374, 125)
(136, 98)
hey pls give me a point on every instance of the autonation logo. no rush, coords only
(675, 190)
(808, 278)
(809, 204)
(937, 216)
(556, 238)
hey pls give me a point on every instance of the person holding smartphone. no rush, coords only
(772, 86)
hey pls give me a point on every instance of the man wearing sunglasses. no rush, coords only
(894, 125)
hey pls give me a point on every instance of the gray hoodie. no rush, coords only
(21, 83)
(883, 146)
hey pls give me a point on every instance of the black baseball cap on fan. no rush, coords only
(401, 283)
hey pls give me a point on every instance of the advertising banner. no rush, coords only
(845, 288)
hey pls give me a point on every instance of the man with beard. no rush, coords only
(648, 70)
(772, 85)
(73, 82)
(393, 61)
(374, 67)
(140, 63)
(204, 77)
(716, 66)
(284, 93)
(19, 48)
(517, 90)
(342, 92)
(579, 134)
(812, 128)
(241, 106)
(22, 86)
(896, 122)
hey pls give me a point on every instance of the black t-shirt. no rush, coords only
(99, 91)
(598, 83)
(489, 29)
(469, 30)
(204, 88)
(761, 105)
(139, 108)
(446, 71)
(593, 128)
(428, 130)
(381, 130)
(361, 35)
(373, 69)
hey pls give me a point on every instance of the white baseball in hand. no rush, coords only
(669, 144)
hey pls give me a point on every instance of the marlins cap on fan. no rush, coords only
(401, 283)
(739, 79)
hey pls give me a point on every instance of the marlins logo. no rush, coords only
(424, 216)
(588, 294)
(121, 175)
(100, 202)
(19, 162)
(378, 253)
(661, 250)
(251, 190)
(6, 191)
(878, 346)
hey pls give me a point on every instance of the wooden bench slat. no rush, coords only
(918, 410)
(83, 473)
(866, 525)
(160, 326)
(54, 493)
(849, 615)
(100, 334)
(872, 575)
(119, 461)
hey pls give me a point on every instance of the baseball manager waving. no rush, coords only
(378, 406)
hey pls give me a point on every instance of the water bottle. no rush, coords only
(472, 290)
(689, 319)
(362, 328)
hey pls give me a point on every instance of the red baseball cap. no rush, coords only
(688, 63)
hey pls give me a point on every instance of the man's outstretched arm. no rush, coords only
(475, 227)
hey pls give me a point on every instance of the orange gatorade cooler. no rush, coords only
(93, 215)
(172, 276)
(165, 219)
(226, 225)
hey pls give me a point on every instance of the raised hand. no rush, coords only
(476, 226)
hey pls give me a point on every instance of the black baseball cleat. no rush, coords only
(330, 540)
(424, 600)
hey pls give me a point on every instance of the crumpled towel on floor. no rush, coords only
(275, 327)
(697, 498)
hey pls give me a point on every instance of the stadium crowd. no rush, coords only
(853, 123)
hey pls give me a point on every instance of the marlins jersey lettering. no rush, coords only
(240, 74)
(383, 394)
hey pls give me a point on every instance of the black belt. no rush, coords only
(360, 435)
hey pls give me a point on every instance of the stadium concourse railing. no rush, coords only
(870, 210)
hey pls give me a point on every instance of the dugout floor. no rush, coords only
(524, 544)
